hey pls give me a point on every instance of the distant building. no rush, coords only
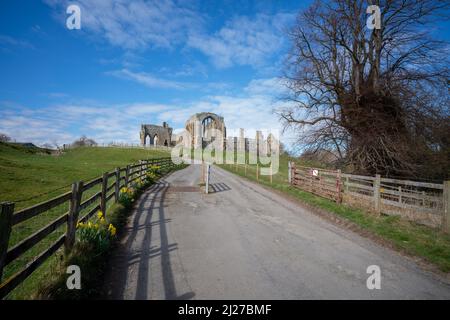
(155, 135)
(202, 129)
(26, 144)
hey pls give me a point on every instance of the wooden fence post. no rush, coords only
(74, 210)
(127, 175)
(6, 213)
(117, 186)
(103, 196)
(139, 170)
(376, 193)
(293, 172)
(446, 211)
(257, 171)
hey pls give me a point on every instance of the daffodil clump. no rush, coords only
(155, 169)
(138, 184)
(98, 233)
(126, 196)
(152, 173)
(151, 177)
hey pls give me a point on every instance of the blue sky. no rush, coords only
(138, 62)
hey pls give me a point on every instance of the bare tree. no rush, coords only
(367, 93)
(4, 138)
(84, 142)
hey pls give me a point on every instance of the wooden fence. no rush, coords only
(422, 202)
(110, 182)
(255, 170)
(122, 146)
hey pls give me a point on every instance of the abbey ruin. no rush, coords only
(156, 135)
(202, 129)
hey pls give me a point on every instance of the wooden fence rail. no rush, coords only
(8, 219)
(422, 202)
(121, 146)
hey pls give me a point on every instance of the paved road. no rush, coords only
(245, 242)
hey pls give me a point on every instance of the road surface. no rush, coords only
(243, 241)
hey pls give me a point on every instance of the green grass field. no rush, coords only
(430, 244)
(30, 175)
(27, 173)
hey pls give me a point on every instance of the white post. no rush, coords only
(208, 167)
(289, 172)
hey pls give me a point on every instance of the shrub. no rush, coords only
(4, 138)
(84, 142)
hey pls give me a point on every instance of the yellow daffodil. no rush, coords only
(100, 215)
(112, 229)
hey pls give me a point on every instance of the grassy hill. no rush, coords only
(29, 172)
(30, 175)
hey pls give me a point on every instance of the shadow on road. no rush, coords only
(138, 250)
(218, 187)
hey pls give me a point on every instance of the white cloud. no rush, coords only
(26, 129)
(121, 123)
(151, 81)
(144, 109)
(148, 80)
(8, 42)
(63, 123)
(140, 24)
(243, 40)
(268, 86)
(135, 24)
